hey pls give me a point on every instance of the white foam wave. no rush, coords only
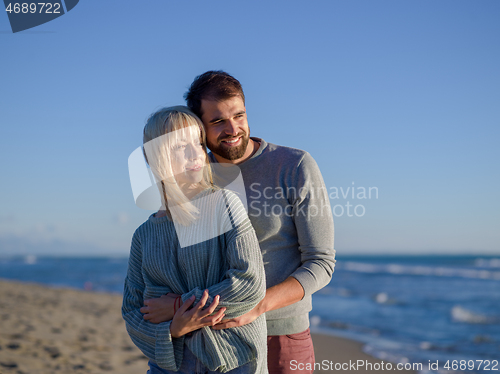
(488, 263)
(382, 298)
(460, 314)
(440, 271)
(30, 259)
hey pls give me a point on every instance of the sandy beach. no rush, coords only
(52, 330)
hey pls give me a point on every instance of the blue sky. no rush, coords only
(398, 95)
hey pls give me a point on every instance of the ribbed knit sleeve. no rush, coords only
(154, 340)
(314, 224)
(243, 284)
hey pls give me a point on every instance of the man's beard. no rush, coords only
(227, 152)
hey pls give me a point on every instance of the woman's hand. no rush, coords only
(195, 318)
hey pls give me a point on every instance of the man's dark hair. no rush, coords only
(214, 85)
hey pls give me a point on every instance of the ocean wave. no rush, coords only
(30, 259)
(488, 262)
(437, 271)
(460, 314)
(385, 299)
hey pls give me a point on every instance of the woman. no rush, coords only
(200, 245)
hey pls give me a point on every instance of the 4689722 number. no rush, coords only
(471, 365)
(33, 8)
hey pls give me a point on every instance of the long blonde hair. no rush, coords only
(162, 131)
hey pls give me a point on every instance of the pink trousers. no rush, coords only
(288, 354)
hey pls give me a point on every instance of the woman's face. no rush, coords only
(187, 155)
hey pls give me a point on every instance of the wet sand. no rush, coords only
(331, 350)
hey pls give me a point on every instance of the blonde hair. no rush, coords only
(162, 131)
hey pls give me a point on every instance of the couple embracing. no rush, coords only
(220, 281)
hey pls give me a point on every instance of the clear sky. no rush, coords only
(403, 96)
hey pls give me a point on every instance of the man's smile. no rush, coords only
(233, 141)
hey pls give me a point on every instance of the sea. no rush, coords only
(440, 314)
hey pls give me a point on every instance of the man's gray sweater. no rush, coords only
(290, 211)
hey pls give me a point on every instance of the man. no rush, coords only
(282, 185)
(289, 209)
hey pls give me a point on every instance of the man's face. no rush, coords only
(226, 127)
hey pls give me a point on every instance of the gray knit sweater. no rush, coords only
(222, 256)
(289, 208)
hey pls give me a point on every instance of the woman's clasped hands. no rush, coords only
(187, 318)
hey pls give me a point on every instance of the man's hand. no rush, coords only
(160, 309)
(241, 320)
(195, 318)
(283, 294)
